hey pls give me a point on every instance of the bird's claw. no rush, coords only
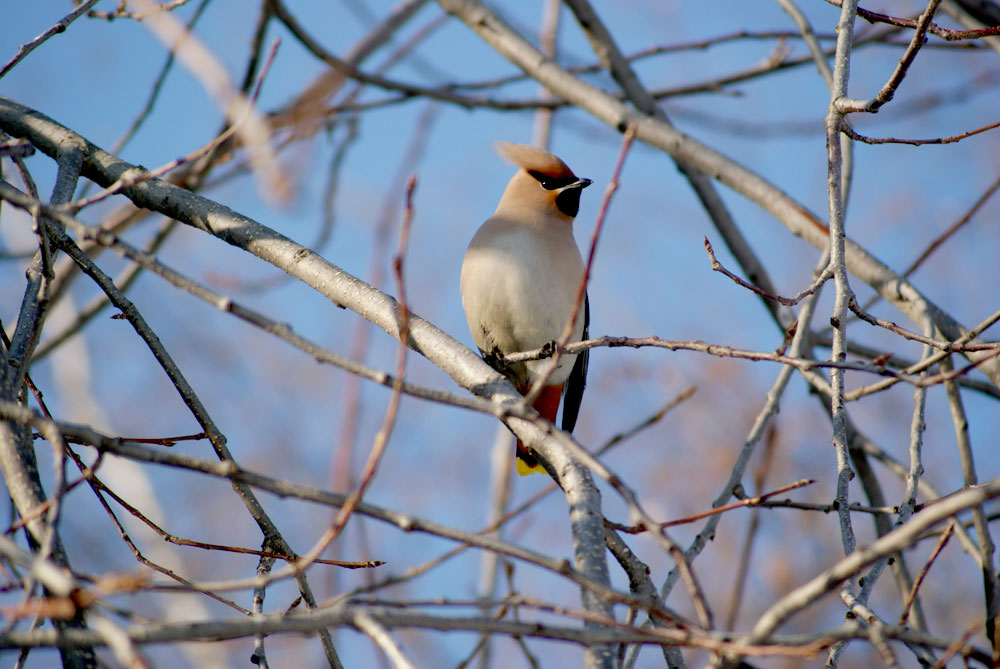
(495, 359)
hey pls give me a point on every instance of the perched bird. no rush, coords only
(520, 279)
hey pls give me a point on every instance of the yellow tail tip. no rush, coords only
(523, 468)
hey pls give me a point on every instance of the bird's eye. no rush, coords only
(549, 182)
(544, 179)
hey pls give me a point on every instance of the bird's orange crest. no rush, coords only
(534, 159)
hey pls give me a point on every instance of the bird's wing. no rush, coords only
(577, 378)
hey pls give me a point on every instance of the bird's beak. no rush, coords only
(579, 183)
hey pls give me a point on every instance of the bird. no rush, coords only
(520, 279)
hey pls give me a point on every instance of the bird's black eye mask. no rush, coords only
(550, 182)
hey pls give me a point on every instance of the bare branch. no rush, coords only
(57, 28)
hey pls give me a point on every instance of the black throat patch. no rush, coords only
(568, 201)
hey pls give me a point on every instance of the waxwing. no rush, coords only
(520, 278)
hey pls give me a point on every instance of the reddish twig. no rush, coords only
(959, 645)
(99, 489)
(944, 236)
(585, 279)
(98, 484)
(342, 455)
(25, 518)
(955, 227)
(161, 441)
(750, 501)
(916, 142)
(853, 305)
(888, 90)
(806, 364)
(912, 595)
(759, 477)
(787, 337)
(382, 436)
(787, 301)
(934, 29)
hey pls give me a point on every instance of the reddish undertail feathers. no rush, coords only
(520, 278)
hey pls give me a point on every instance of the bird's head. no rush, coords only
(544, 186)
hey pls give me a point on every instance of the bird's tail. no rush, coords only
(547, 405)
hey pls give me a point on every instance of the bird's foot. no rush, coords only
(495, 359)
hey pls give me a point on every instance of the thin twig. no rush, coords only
(912, 595)
(934, 29)
(156, 88)
(760, 473)
(581, 293)
(958, 646)
(851, 564)
(378, 633)
(58, 27)
(187, 395)
(917, 142)
(953, 228)
(280, 330)
(388, 422)
(823, 277)
(888, 90)
(749, 502)
(969, 335)
(838, 262)
(986, 546)
(264, 565)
